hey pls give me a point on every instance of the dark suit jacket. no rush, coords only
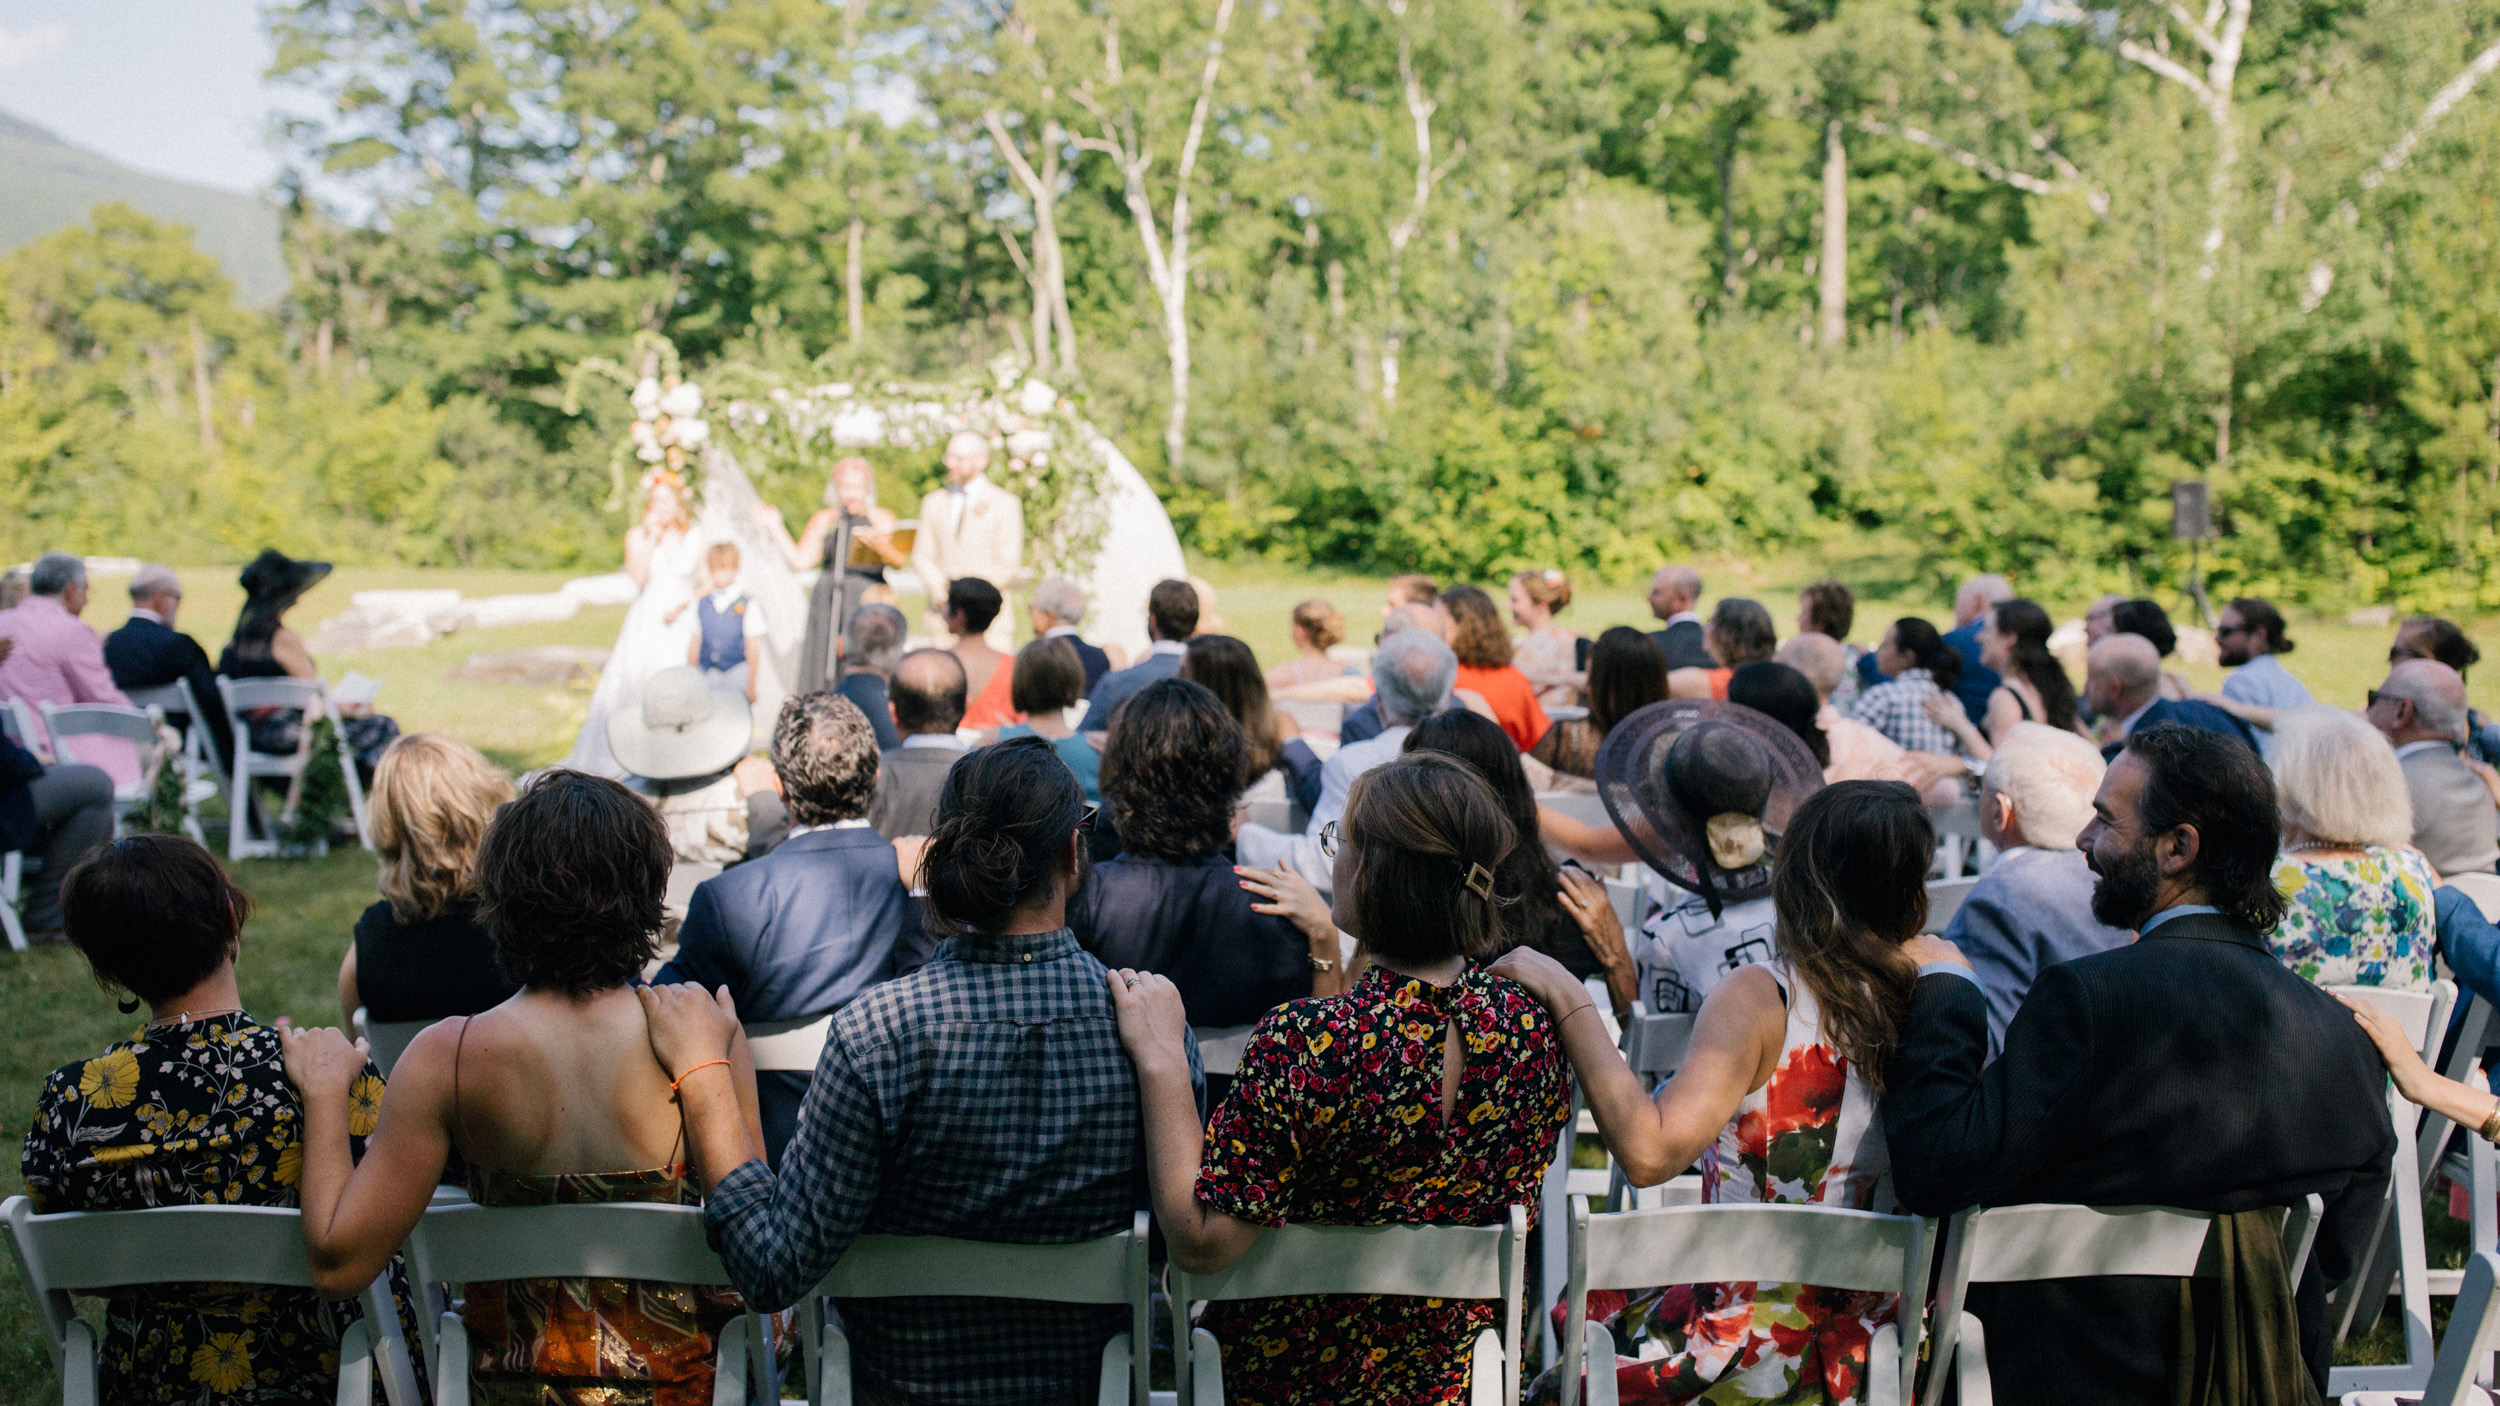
(19, 770)
(1360, 724)
(144, 654)
(1681, 643)
(908, 782)
(1091, 656)
(2186, 713)
(1192, 923)
(796, 934)
(2188, 1069)
(868, 692)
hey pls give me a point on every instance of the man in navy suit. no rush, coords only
(1171, 618)
(801, 932)
(2122, 679)
(148, 652)
(1058, 608)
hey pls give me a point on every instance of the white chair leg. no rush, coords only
(835, 1372)
(12, 878)
(1115, 1372)
(1598, 1376)
(78, 1368)
(356, 1366)
(1206, 1369)
(1883, 1366)
(1971, 1364)
(1484, 1371)
(390, 1344)
(451, 1361)
(730, 1367)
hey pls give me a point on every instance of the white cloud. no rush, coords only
(25, 47)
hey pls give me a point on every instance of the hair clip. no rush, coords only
(1480, 881)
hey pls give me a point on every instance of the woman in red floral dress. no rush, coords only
(1430, 1094)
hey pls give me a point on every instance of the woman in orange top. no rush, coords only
(1483, 650)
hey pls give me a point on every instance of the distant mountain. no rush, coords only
(53, 185)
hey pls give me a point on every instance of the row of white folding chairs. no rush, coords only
(310, 697)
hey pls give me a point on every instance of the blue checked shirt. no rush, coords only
(984, 1097)
(1897, 708)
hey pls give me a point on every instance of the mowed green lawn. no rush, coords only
(305, 909)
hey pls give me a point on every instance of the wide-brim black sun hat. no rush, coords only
(274, 578)
(1662, 797)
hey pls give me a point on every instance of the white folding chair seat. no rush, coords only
(466, 1244)
(2465, 1352)
(1829, 1246)
(1111, 1270)
(311, 698)
(1411, 1261)
(142, 728)
(2401, 1258)
(2026, 1244)
(95, 1251)
(386, 1040)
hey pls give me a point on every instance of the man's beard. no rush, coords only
(2234, 658)
(2124, 896)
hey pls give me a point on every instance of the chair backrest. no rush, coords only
(2484, 889)
(17, 719)
(1630, 903)
(792, 1046)
(172, 697)
(624, 1240)
(136, 725)
(1654, 1045)
(243, 694)
(1944, 899)
(1109, 1270)
(1960, 819)
(1587, 807)
(2423, 1014)
(2473, 1330)
(85, 1251)
(387, 1040)
(1314, 717)
(1275, 815)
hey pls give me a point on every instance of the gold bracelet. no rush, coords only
(2490, 1130)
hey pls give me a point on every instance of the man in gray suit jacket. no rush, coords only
(2421, 709)
(2033, 909)
(928, 696)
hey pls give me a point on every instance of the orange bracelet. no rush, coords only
(673, 1083)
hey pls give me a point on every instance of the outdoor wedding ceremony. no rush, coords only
(1162, 701)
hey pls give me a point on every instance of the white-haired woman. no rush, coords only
(2360, 911)
(850, 517)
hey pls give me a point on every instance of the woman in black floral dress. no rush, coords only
(1430, 1094)
(193, 1109)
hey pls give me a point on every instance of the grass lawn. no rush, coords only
(305, 909)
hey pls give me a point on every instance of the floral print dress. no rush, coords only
(1335, 1119)
(2357, 918)
(194, 1114)
(1809, 1136)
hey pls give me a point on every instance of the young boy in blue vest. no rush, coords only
(724, 621)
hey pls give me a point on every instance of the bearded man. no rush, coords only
(2189, 1068)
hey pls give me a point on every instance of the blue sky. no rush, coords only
(170, 87)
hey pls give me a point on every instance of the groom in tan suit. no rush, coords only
(971, 527)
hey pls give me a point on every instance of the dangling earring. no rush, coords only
(128, 1007)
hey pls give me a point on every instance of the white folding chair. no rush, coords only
(386, 1040)
(1411, 1261)
(1323, 718)
(1587, 807)
(313, 700)
(1830, 1246)
(792, 1046)
(2465, 1352)
(1944, 899)
(93, 1251)
(2406, 1261)
(1275, 815)
(142, 728)
(2026, 1244)
(1111, 1270)
(467, 1244)
(198, 758)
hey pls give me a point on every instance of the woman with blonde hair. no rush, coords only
(2358, 895)
(420, 953)
(1316, 626)
(1550, 654)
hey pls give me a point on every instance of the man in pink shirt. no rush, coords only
(56, 659)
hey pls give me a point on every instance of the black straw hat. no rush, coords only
(274, 578)
(1669, 768)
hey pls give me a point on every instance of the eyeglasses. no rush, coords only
(1085, 822)
(2227, 630)
(1330, 838)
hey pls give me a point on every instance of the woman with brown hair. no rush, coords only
(1484, 665)
(1777, 1098)
(1046, 680)
(1626, 674)
(420, 953)
(1281, 764)
(1430, 1094)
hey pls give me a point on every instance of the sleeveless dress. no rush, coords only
(1809, 1136)
(589, 1342)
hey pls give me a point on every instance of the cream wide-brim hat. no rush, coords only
(684, 728)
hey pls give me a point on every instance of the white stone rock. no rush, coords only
(495, 612)
(615, 588)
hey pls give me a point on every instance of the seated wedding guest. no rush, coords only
(1171, 618)
(1316, 627)
(1058, 609)
(1430, 1094)
(1410, 588)
(1917, 665)
(1975, 597)
(1854, 751)
(1047, 681)
(1795, 1048)
(1626, 674)
(2251, 640)
(1362, 723)
(193, 1109)
(147, 652)
(2420, 709)
(2032, 686)
(1549, 654)
(1484, 654)
(2033, 908)
(2430, 637)
(1412, 672)
(420, 953)
(928, 695)
(984, 1096)
(1172, 901)
(1829, 608)
(870, 645)
(2099, 617)
(680, 749)
(800, 933)
(1786, 697)
(2188, 1068)
(1673, 592)
(2148, 620)
(264, 646)
(1281, 765)
(570, 879)
(1739, 633)
(2359, 908)
(52, 815)
(54, 658)
(2123, 682)
(971, 603)
(1563, 913)
(13, 586)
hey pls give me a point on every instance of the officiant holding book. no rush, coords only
(854, 541)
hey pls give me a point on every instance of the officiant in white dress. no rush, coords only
(971, 527)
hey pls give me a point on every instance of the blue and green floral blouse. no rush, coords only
(2358, 918)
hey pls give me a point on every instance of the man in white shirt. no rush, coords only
(971, 527)
(2421, 709)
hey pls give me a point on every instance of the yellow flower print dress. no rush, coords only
(194, 1114)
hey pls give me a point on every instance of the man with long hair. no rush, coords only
(2189, 1068)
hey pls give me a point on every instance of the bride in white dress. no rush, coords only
(664, 556)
